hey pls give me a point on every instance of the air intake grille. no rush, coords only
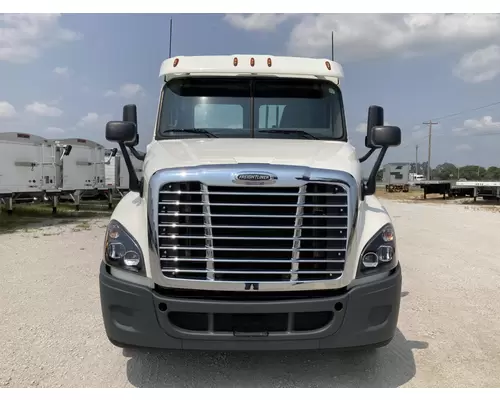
(253, 234)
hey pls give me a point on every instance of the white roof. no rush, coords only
(78, 142)
(240, 64)
(21, 137)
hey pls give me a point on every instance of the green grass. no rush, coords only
(28, 216)
(82, 226)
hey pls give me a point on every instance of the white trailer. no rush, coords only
(116, 172)
(397, 177)
(110, 177)
(28, 164)
(83, 169)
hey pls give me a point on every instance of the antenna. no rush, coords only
(333, 48)
(170, 40)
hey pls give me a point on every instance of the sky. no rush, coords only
(67, 75)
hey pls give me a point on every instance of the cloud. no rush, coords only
(54, 130)
(63, 71)
(24, 37)
(127, 90)
(478, 126)
(463, 147)
(93, 119)
(361, 128)
(364, 36)
(256, 22)
(479, 66)
(7, 110)
(43, 110)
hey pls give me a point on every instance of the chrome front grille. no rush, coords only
(253, 233)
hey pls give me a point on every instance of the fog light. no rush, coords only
(385, 253)
(370, 260)
(116, 251)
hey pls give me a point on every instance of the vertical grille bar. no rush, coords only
(209, 240)
(297, 232)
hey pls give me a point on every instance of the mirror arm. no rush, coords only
(367, 155)
(137, 154)
(370, 185)
(134, 184)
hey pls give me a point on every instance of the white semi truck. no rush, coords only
(251, 227)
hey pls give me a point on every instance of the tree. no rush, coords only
(492, 174)
(445, 171)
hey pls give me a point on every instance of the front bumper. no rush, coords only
(134, 315)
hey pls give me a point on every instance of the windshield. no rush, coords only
(251, 107)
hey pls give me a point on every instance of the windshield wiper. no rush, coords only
(298, 131)
(190, 130)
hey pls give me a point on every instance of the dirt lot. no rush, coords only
(52, 333)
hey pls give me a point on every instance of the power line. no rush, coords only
(468, 134)
(454, 115)
(466, 111)
(486, 134)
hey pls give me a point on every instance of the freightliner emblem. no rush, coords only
(254, 178)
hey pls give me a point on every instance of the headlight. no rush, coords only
(121, 250)
(378, 255)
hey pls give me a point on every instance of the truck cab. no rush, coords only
(251, 227)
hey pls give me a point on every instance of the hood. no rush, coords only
(207, 151)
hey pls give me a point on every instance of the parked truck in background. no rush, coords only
(251, 227)
(416, 177)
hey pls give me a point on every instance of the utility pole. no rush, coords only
(416, 159)
(430, 123)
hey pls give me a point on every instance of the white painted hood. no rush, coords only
(208, 151)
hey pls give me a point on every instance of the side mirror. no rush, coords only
(385, 136)
(375, 118)
(380, 137)
(120, 131)
(113, 152)
(130, 115)
(67, 150)
(133, 143)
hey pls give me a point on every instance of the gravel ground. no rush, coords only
(53, 335)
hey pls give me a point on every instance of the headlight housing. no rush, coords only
(379, 254)
(121, 250)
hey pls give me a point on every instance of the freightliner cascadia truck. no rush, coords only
(251, 227)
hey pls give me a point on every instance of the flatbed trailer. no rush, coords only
(486, 190)
(435, 187)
